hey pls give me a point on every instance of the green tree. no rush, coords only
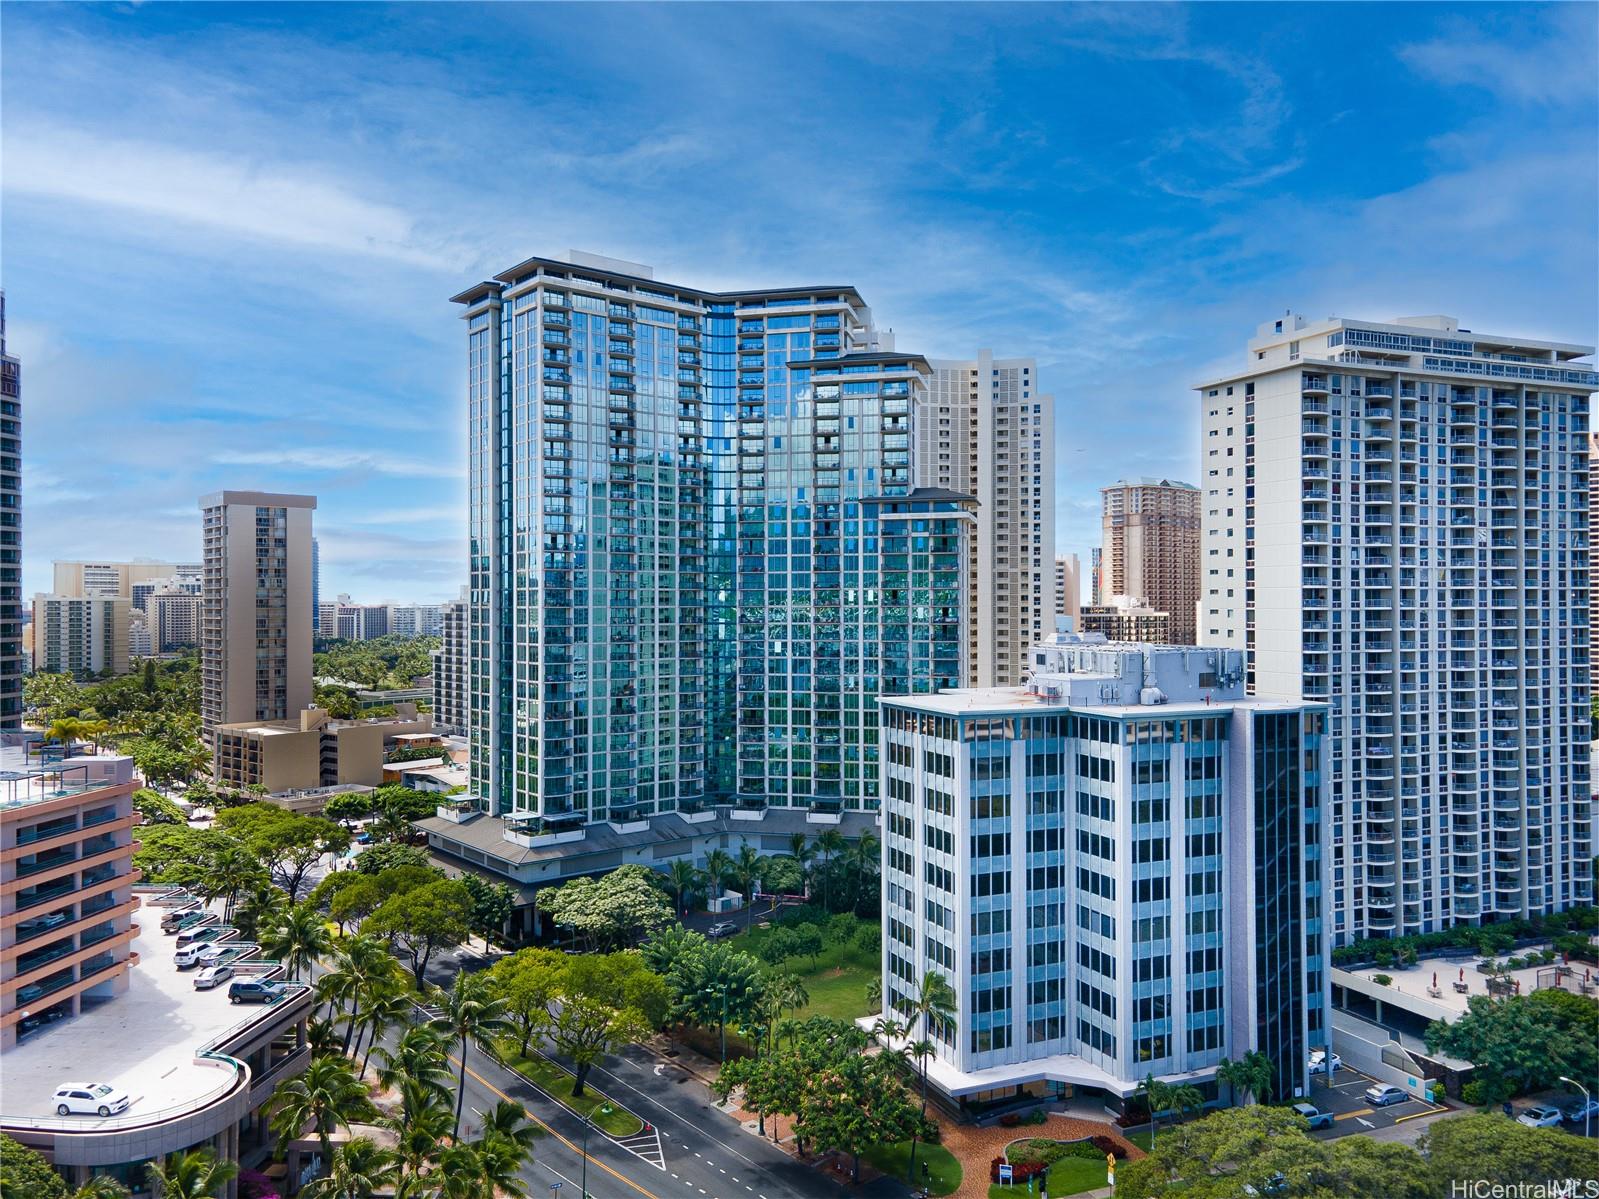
(1216, 1158)
(384, 1010)
(351, 806)
(746, 874)
(685, 879)
(492, 905)
(1520, 1043)
(154, 808)
(1249, 1078)
(422, 921)
(1487, 1146)
(260, 911)
(529, 982)
(829, 844)
(193, 1174)
(354, 903)
(361, 1168)
(287, 843)
(934, 1008)
(604, 1001)
(714, 983)
(506, 1130)
(327, 1096)
(25, 1174)
(471, 1013)
(857, 1103)
(609, 912)
(377, 858)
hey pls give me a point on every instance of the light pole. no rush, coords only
(588, 1121)
(1587, 1115)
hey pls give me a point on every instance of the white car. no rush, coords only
(188, 957)
(725, 928)
(90, 1099)
(1541, 1116)
(212, 976)
(1383, 1094)
(1318, 1062)
(211, 955)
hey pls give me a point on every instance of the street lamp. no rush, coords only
(588, 1122)
(1587, 1115)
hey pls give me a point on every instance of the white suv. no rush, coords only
(89, 1099)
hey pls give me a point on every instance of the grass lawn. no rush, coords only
(608, 1116)
(1069, 1176)
(1141, 1139)
(836, 980)
(894, 1160)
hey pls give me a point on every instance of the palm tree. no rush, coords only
(67, 730)
(683, 878)
(828, 844)
(361, 1168)
(885, 1028)
(260, 911)
(101, 1186)
(718, 865)
(383, 1011)
(1186, 1098)
(472, 1012)
(747, 874)
(327, 1095)
(862, 863)
(419, 1131)
(874, 994)
(1249, 1077)
(363, 968)
(300, 940)
(391, 825)
(193, 1174)
(417, 1059)
(505, 1145)
(1158, 1097)
(935, 1008)
(800, 849)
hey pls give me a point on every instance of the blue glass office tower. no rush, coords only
(677, 545)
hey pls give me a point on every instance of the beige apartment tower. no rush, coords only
(114, 578)
(1069, 588)
(1151, 531)
(255, 614)
(988, 432)
(80, 636)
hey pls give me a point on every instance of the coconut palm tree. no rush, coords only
(828, 845)
(934, 1007)
(417, 1058)
(420, 1131)
(718, 865)
(384, 1010)
(68, 730)
(472, 1012)
(874, 994)
(260, 910)
(505, 1145)
(300, 940)
(684, 879)
(747, 874)
(1249, 1078)
(362, 969)
(1157, 1096)
(101, 1186)
(801, 850)
(861, 864)
(194, 1174)
(328, 1095)
(361, 1168)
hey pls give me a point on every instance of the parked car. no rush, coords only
(40, 924)
(1541, 1115)
(212, 976)
(188, 957)
(211, 955)
(253, 990)
(172, 921)
(725, 928)
(90, 1099)
(1583, 1109)
(1314, 1115)
(190, 935)
(1383, 1094)
(1318, 1062)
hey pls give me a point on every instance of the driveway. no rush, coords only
(1352, 1113)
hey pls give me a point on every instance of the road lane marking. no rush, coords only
(1355, 1115)
(1367, 1123)
(618, 1175)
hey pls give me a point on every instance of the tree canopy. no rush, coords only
(610, 911)
(1523, 1043)
(421, 921)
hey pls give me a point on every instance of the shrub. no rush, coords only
(1382, 980)
(1475, 1093)
(805, 913)
(840, 929)
(255, 1185)
(1103, 1144)
(776, 946)
(1037, 1117)
(1019, 1171)
(869, 939)
(1010, 1120)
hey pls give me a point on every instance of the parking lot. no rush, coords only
(1346, 1100)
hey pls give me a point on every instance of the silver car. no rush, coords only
(212, 976)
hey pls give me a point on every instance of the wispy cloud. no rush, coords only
(1551, 64)
(333, 458)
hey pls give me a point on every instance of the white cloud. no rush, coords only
(272, 201)
(1556, 68)
(335, 458)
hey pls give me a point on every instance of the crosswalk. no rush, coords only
(646, 1146)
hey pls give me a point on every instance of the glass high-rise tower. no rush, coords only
(695, 550)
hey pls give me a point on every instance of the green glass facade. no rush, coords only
(688, 574)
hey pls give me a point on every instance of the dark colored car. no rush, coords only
(254, 990)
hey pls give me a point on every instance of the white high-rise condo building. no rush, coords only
(988, 432)
(255, 615)
(1396, 524)
(1150, 530)
(173, 617)
(1117, 867)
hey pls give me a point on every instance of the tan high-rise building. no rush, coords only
(116, 578)
(987, 431)
(1069, 588)
(255, 615)
(173, 618)
(81, 636)
(1151, 531)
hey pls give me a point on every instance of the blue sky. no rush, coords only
(229, 233)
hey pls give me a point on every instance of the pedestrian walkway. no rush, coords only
(977, 1145)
